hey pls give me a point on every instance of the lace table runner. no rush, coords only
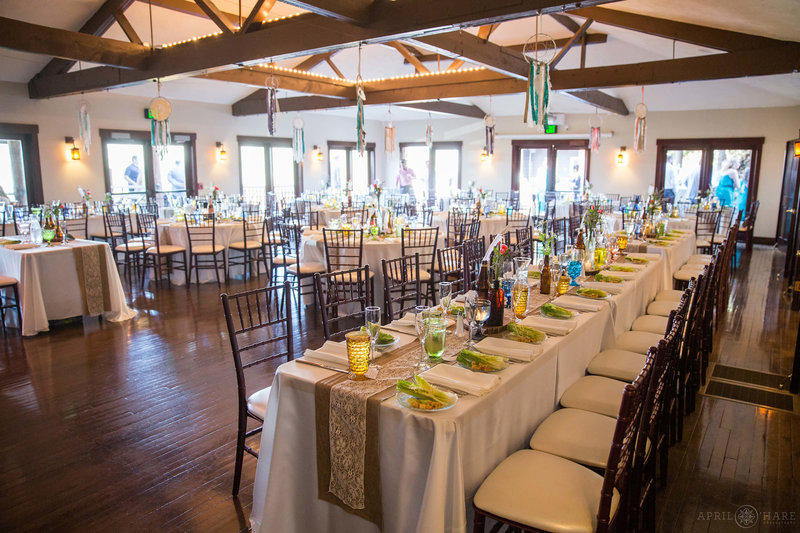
(90, 262)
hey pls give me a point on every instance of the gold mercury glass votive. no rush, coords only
(357, 354)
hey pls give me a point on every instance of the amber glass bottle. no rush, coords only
(544, 282)
(497, 299)
(483, 281)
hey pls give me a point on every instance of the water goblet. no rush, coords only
(372, 319)
(445, 293)
(420, 313)
(357, 354)
(481, 313)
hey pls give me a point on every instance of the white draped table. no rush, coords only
(490, 225)
(431, 464)
(49, 287)
(679, 223)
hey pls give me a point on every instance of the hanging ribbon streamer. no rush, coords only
(594, 137)
(538, 95)
(272, 109)
(490, 122)
(160, 110)
(429, 133)
(85, 127)
(389, 142)
(298, 140)
(361, 97)
(640, 126)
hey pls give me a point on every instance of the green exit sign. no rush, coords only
(147, 114)
(550, 128)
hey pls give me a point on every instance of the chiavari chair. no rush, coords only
(360, 212)
(748, 224)
(524, 241)
(451, 268)
(705, 227)
(154, 254)
(422, 241)
(124, 242)
(560, 231)
(343, 296)
(297, 270)
(9, 301)
(456, 219)
(402, 288)
(474, 250)
(260, 330)
(204, 252)
(76, 223)
(513, 199)
(252, 247)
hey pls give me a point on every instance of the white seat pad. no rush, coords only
(207, 249)
(617, 364)
(651, 324)
(308, 267)
(685, 275)
(251, 245)
(7, 281)
(702, 243)
(669, 295)
(700, 258)
(596, 394)
(661, 307)
(577, 435)
(544, 492)
(257, 402)
(638, 341)
(166, 249)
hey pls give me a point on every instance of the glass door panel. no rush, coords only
(446, 170)
(682, 175)
(12, 172)
(283, 172)
(532, 174)
(338, 166)
(570, 171)
(171, 174)
(127, 170)
(254, 171)
(418, 159)
(730, 176)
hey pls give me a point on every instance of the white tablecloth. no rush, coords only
(49, 288)
(326, 214)
(491, 225)
(431, 464)
(682, 223)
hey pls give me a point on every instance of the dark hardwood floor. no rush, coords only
(128, 427)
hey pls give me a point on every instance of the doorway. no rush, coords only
(540, 167)
(266, 164)
(347, 167)
(20, 171)
(437, 169)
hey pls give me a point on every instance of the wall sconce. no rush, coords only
(484, 155)
(797, 148)
(622, 156)
(318, 153)
(222, 155)
(74, 152)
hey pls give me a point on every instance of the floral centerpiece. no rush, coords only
(593, 221)
(215, 193)
(500, 254)
(547, 238)
(86, 195)
(377, 190)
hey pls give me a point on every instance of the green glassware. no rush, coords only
(435, 339)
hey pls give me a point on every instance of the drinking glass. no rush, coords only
(358, 344)
(24, 224)
(435, 337)
(521, 264)
(574, 270)
(372, 319)
(445, 291)
(481, 310)
(622, 242)
(420, 313)
(519, 296)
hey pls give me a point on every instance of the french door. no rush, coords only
(728, 168)
(437, 169)
(542, 166)
(348, 167)
(20, 172)
(266, 164)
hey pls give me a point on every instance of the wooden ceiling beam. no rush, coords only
(27, 37)
(254, 14)
(411, 58)
(468, 47)
(127, 28)
(300, 36)
(600, 100)
(680, 31)
(188, 7)
(287, 80)
(217, 17)
(566, 21)
(572, 40)
(255, 103)
(333, 66)
(313, 61)
(352, 11)
(100, 21)
(448, 108)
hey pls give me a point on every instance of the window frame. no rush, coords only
(351, 148)
(28, 135)
(707, 146)
(267, 143)
(444, 145)
(143, 137)
(552, 146)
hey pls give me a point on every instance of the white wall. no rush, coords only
(57, 118)
(777, 125)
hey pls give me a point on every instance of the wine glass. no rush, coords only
(479, 310)
(24, 224)
(372, 319)
(445, 292)
(48, 234)
(420, 313)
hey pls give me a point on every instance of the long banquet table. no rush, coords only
(50, 288)
(431, 464)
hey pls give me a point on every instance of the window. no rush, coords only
(266, 164)
(437, 169)
(541, 167)
(134, 170)
(347, 165)
(20, 172)
(729, 168)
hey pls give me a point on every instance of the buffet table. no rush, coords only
(63, 281)
(431, 464)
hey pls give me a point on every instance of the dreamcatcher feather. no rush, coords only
(594, 137)
(490, 122)
(640, 126)
(361, 132)
(160, 110)
(389, 133)
(298, 140)
(85, 127)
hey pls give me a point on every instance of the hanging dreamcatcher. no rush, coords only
(361, 132)
(298, 140)
(389, 132)
(490, 122)
(594, 128)
(85, 127)
(537, 99)
(272, 104)
(640, 125)
(160, 110)
(429, 133)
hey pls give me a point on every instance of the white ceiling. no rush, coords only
(773, 18)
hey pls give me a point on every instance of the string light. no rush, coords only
(268, 66)
(216, 33)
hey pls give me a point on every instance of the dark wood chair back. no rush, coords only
(518, 219)
(451, 267)
(76, 224)
(148, 228)
(360, 212)
(344, 249)
(706, 224)
(401, 285)
(200, 233)
(560, 231)
(422, 241)
(343, 297)
(474, 250)
(524, 242)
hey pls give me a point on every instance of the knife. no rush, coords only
(320, 365)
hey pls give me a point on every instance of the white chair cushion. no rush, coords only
(166, 249)
(651, 324)
(669, 295)
(250, 245)
(7, 281)
(284, 260)
(638, 341)
(700, 258)
(577, 435)
(686, 275)
(596, 394)
(617, 364)
(132, 246)
(424, 275)
(545, 492)
(662, 307)
(309, 267)
(702, 243)
(257, 402)
(349, 277)
(207, 249)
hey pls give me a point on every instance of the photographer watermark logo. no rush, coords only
(746, 516)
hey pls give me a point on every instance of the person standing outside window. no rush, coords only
(404, 178)
(132, 174)
(175, 177)
(669, 180)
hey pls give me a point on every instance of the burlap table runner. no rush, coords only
(91, 264)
